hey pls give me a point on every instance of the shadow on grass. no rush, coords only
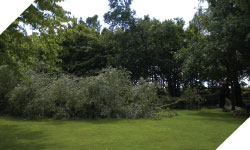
(51, 121)
(219, 116)
(12, 137)
(88, 121)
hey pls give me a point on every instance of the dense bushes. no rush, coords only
(8, 81)
(110, 94)
(25, 93)
(192, 99)
(189, 99)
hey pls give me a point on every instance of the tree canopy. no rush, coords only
(213, 48)
(120, 14)
(22, 51)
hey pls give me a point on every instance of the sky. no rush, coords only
(159, 9)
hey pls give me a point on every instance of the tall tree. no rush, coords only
(83, 53)
(228, 27)
(199, 63)
(120, 14)
(149, 49)
(92, 22)
(20, 50)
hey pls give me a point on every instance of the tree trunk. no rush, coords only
(233, 95)
(237, 91)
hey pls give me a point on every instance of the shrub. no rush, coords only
(61, 99)
(8, 81)
(23, 94)
(111, 94)
(106, 93)
(143, 101)
(192, 99)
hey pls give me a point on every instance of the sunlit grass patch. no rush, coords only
(189, 130)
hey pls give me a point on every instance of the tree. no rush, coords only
(19, 50)
(199, 60)
(228, 29)
(120, 14)
(149, 49)
(92, 22)
(82, 52)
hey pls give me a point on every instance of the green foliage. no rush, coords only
(107, 93)
(143, 101)
(189, 99)
(214, 48)
(149, 49)
(8, 81)
(42, 96)
(60, 99)
(120, 14)
(226, 29)
(20, 51)
(111, 94)
(192, 98)
(15, 49)
(82, 52)
(23, 95)
(92, 22)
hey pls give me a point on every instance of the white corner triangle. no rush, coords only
(10, 10)
(239, 140)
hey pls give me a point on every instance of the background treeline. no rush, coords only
(213, 48)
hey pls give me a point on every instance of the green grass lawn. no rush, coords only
(190, 130)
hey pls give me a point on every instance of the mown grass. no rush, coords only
(190, 130)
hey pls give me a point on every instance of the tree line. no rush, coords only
(213, 48)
